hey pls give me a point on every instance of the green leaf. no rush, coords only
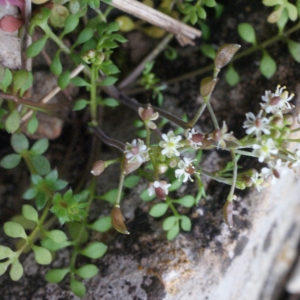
(210, 3)
(20, 78)
(3, 267)
(94, 250)
(14, 230)
(30, 193)
(102, 224)
(185, 223)
(56, 275)
(292, 11)
(247, 33)
(36, 47)
(158, 210)
(42, 255)
(78, 81)
(5, 252)
(56, 66)
(283, 20)
(16, 270)
(74, 7)
(186, 201)
(87, 271)
(25, 223)
(193, 17)
(267, 65)
(110, 102)
(145, 196)
(30, 213)
(112, 27)
(208, 50)
(40, 146)
(173, 232)
(201, 13)
(71, 23)
(77, 287)
(131, 181)
(108, 81)
(169, 223)
(27, 84)
(52, 246)
(13, 121)
(57, 236)
(7, 79)
(111, 196)
(80, 104)
(33, 124)
(10, 161)
(85, 35)
(19, 142)
(64, 79)
(294, 49)
(41, 164)
(232, 76)
(175, 185)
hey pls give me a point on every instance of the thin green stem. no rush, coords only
(197, 115)
(212, 114)
(234, 176)
(93, 93)
(170, 204)
(52, 36)
(120, 188)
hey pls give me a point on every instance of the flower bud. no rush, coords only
(162, 168)
(117, 220)
(89, 56)
(288, 120)
(225, 54)
(275, 134)
(277, 122)
(126, 24)
(98, 167)
(207, 86)
(285, 133)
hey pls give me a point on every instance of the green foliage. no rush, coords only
(247, 33)
(70, 207)
(42, 189)
(36, 47)
(232, 76)
(94, 250)
(267, 65)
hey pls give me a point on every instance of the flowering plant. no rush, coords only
(267, 136)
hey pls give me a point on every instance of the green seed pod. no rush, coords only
(207, 86)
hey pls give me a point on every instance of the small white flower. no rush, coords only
(221, 136)
(137, 151)
(186, 169)
(258, 181)
(273, 170)
(159, 188)
(265, 149)
(278, 102)
(194, 137)
(148, 115)
(257, 125)
(296, 157)
(170, 144)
